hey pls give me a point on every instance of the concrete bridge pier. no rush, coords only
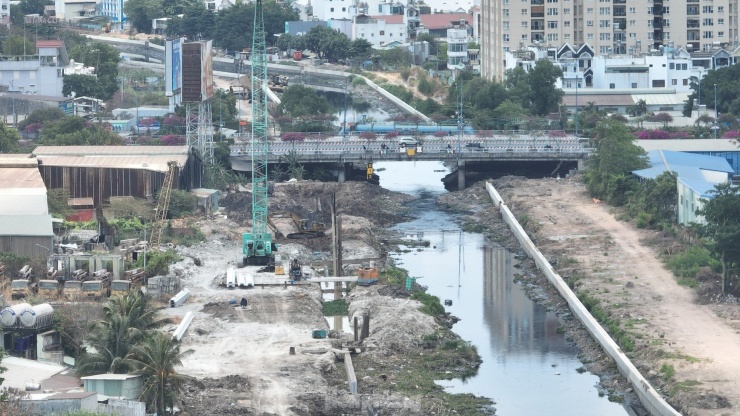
(460, 175)
(343, 171)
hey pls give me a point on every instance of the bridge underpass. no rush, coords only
(344, 156)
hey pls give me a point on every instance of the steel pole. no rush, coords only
(576, 107)
(716, 114)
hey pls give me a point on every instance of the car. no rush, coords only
(474, 145)
(407, 141)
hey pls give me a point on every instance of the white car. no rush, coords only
(407, 141)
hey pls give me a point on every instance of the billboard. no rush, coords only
(197, 71)
(173, 66)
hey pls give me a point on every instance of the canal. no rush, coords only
(528, 367)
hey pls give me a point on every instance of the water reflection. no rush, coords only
(528, 367)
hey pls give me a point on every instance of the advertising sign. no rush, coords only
(207, 71)
(173, 66)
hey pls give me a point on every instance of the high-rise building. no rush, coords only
(610, 27)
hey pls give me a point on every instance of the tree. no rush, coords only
(141, 12)
(83, 86)
(545, 95)
(664, 118)
(722, 215)
(518, 86)
(104, 58)
(327, 43)
(112, 338)
(155, 359)
(9, 139)
(615, 155)
(42, 116)
(181, 203)
(360, 48)
(76, 131)
(299, 101)
(18, 45)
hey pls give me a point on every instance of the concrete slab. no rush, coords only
(20, 371)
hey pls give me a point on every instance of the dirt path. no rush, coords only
(701, 346)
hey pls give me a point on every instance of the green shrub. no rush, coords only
(158, 262)
(181, 203)
(405, 74)
(643, 220)
(338, 307)
(430, 304)
(668, 371)
(425, 87)
(358, 82)
(688, 263)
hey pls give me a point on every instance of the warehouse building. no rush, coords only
(102, 172)
(25, 223)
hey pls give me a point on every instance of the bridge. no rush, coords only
(342, 153)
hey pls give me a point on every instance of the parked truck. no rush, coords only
(95, 289)
(72, 290)
(120, 287)
(21, 289)
(49, 289)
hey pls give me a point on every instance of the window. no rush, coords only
(666, 23)
(566, 23)
(672, 66)
(590, 23)
(590, 10)
(604, 23)
(707, 9)
(506, 37)
(507, 49)
(633, 35)
(506, 12)
(525, 12)
(650, 35)
(331, 10)
(524, 37)
(506, 1)
(605, 36)
(633, 10)
(552, 1)
(566, 11)
(612, 86)
(720, 9)
(590, 36)
(344, 9)
(605, 11)
(708, 22)
(720, 34)
(684, 66)
(674, 82)
(632, 23)
(552, 24)
(634, 85)
(666, 10)
(566, 36)
(650, 10)
(650, 23)
(552, 11)
(720, 21)
(552, 37)
(525, 25)
(506, 25)
(382, 33)
(707, 35)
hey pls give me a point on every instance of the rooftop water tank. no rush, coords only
(9, 315)
(29, 317)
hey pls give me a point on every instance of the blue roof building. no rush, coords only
(696, 176)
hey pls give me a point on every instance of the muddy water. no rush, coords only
(528, 367)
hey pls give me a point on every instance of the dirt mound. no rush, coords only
(217, 396)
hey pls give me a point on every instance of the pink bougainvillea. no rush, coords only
(293, 137)
(391, 135)
(557, 133)
(368, 135)
(653, 135)
(732, 134)
(440, 133)
(172, 140)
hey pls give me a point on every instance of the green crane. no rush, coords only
(257, 246)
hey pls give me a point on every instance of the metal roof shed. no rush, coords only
(125, 386)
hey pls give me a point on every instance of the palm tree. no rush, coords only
(111, 339)
(155, 359)
(138, 308)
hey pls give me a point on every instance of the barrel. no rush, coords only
(9, 315)
(29, 317)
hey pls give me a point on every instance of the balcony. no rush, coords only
(692, 24)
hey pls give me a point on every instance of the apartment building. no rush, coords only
(5, 12)
(380, 30)
(611, 27)
(39, 74)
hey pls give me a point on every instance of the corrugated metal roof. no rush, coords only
(21, 178)
(691, 145)
(143, 162)
(24, 204)
(110, 150)
(599, 99)
(110, 377)
(678, 98)
(26, 225)
(687, 166)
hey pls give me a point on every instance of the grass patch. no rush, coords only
(668, 371)
(430, 304)
(679, 356)
(620, 336)
(685, 385)
(474, 228)
(688, 282)
(393, 276)
(338, 307)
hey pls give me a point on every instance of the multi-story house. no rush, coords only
(380, 30)
(5, 12)
(40, 73)
(618, 27)
(113, 10)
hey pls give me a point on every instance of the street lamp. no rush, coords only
(716, 114)
(577, 82)
(15, 116)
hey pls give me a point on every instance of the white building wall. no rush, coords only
(378, 33)
(333, 9)
(457, 47)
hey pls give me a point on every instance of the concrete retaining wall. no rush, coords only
(651, 400)
(399, 102)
